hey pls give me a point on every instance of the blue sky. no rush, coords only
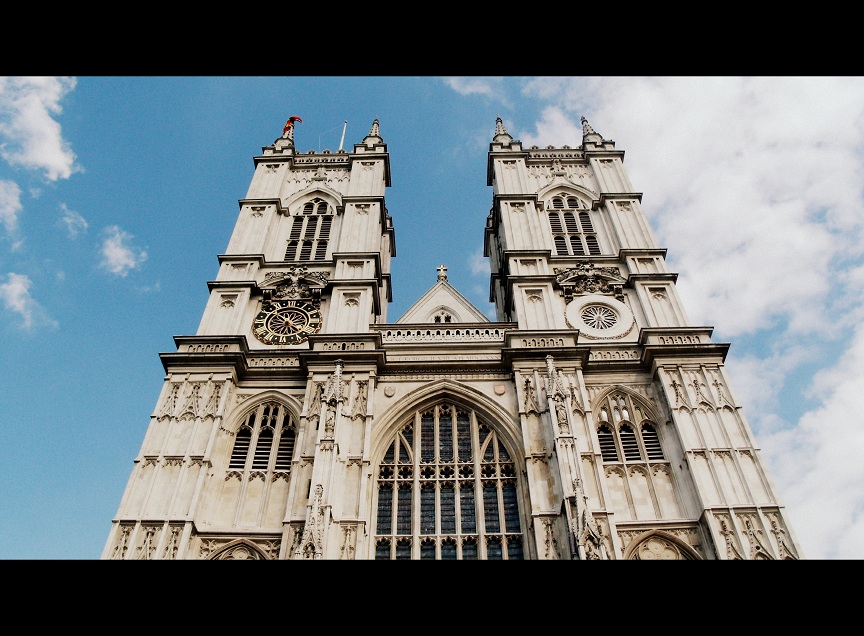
(118, 193)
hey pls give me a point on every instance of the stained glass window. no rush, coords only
(459, 480)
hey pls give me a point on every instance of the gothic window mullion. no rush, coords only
(622, 457)
(650, 455)
(476, 484)
(420, 479)
(276, 414)
(426, 519)
(479, 513)
(254, 423)
(253, 447)
(447, 473)
(499, 488)
(286, 445)
(459, 450)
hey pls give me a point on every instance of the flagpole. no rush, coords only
(341, 141)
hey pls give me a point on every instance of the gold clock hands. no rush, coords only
(289, 321)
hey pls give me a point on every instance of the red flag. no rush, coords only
(290, 123)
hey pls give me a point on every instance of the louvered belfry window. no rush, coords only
(626, 432)
(265, 441)
(607, 444)
(572, 231)
(447, 489)
(310, 232)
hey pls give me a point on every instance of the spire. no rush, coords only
(374, 134)
(501, 134)
(588, 133)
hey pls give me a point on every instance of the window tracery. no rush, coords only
(447, 489)
(264, 443)
(625, 431)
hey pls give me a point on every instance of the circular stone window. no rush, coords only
(599, 317)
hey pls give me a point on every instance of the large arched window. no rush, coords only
(447, 489)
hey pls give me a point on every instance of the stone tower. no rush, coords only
(590, 420)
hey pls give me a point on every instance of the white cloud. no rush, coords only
(554, 123)
(479, 264)
(10, 205)
(151, 289)
(73, 221)
(15, 294)
(818, 462)
(118, 257)
(474, 85)
(29, 135)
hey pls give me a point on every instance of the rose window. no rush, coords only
(599, 317)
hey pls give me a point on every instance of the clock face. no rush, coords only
(286, 322)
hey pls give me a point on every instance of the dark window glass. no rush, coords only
(241, 448)
(652, 442)
(493, 549)
(607, 444)
(628, 443)
(427, 549)
(490, 507)
(382, 550)
(427, 508)
(385, 510)
(466, 508)
(403, 509)
(448, 550)
(469, 549)
(448, 509)
(403, 549)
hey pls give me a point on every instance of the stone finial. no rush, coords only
(501, 134)
(589, 134)
(499, 127)
(442, 272)
(374, 133)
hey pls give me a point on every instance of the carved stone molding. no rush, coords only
(586, 278)
(238, 549)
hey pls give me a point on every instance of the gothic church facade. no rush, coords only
(590, 420)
